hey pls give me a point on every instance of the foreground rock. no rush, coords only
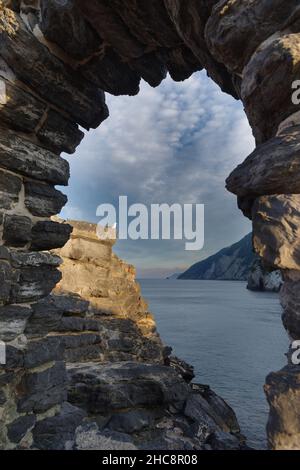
(144, 403)
(52, 79)
(262, 279)
(145, 406)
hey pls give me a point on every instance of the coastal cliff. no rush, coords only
(53, 79)
(120, 374)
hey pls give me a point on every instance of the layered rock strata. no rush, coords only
(120, 374)
(52, 79)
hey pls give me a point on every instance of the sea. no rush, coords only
(233, 337)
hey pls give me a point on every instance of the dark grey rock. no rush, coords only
(14, 357)
(22, 111)
(40, 391)
(18, 428)
(13, 319)
(89, 437)
(47, 235)
(71, 304)
(6, 280)
(58, 432)
(230, 32)
(6, 377)
(75, 324)
(81, 347)
(131, 421)
(28, 159)
(112, 74)
(151, 68)
(34, 283)
(16, 230)
(108, 387)
(63, 24)
(33, 63)
(43, 351)
(46, 317)
(273, 168)
(43, 200)
(222, 413)
(198, 411)
(2, 398)
(59, 134)
(182, 368)
(224, 441)
(10, 187)
(4, 253)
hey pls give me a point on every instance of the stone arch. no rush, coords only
(57, 60)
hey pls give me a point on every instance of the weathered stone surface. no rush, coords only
(89, 437)
(159, 32)
(131, 421)
(268, 103)
(262, 278)
(81, 347)
(124, 385)
(220, 440)
(181, 63)
(43, 200)
(58, 432)
(237, 27)
(276, 222)
(18, 428)
(47, 235)
(21, 259)
(218, 409)
(60, 134)
(16, 230)
(113, 75)
(151, 68)
(46, 317)
(43, 351)
(273, 168)
(63, 24)
(19, 155)
(13, 319)
(283, 393)
(6, 279)
(189, 19)
(41, 390)
(37, 276)
(2, 398)
(10, 187)
(19, 109)
(71, 304)
(15, 354)
(111, 28)
(77, 325)
(182, 368)
(35, 65)
(290, 301)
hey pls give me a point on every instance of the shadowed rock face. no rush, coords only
(57, 60)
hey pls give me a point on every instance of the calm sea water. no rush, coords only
(232, 336)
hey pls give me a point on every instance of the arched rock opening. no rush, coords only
(57, 58)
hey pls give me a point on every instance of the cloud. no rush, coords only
(175, 143)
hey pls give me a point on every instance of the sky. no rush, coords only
(173, 144)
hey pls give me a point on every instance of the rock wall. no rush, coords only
(91, 270)
(56, 61)
(262, 279)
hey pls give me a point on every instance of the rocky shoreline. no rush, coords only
(124, 389)
(53, 79)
